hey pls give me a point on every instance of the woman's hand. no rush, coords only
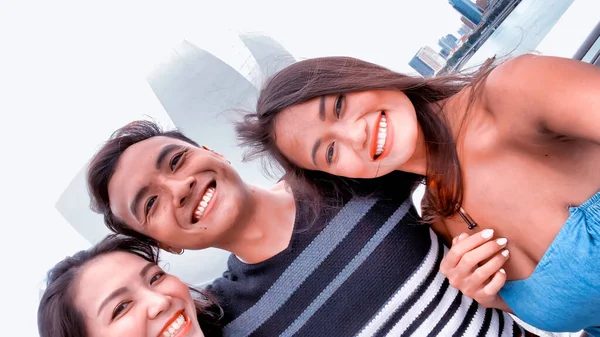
(474, 266)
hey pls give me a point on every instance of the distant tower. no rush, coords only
(468, 9)
(464, 30)
(448, 42)
(427, 62)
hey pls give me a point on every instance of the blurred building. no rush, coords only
(447, 44)
(427, 61)
(468, 9)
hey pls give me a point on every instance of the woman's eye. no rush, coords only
(157, 277)
(175, 160)
(339, 104)
(329, 153)
(149, 204)
(119, 309)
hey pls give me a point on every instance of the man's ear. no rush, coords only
(177, 251)
(215, 152)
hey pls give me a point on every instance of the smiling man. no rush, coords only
(364, 266)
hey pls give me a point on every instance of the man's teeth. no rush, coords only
(382, 131)
(174, 327)
(204, 203)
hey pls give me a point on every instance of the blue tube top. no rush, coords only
(563, 293)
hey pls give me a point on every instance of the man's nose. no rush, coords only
(182, 189)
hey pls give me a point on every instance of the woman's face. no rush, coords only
(121, 294)
(358, 135)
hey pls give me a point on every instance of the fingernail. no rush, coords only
(502, 271)
(462, 236)
(502, 241)
(505, 253)
(487, 233)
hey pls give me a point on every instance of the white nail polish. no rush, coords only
(505, 253)
(502, 241)
(487, 233)
(502, 271)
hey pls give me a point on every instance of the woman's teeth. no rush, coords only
(174, 327)
(204, 203)
(381, 134)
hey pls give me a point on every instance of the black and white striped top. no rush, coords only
(368, 269)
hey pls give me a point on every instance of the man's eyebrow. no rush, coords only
(164, 152)
(134, 206)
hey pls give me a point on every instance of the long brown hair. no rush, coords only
(318, 77)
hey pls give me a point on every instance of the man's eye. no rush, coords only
(339, 103)
(149, 205)
(175, 160)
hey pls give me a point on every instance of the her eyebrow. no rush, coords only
(314, 151)
(322, 118)
(123, 290)
(110, 297)
(322, 108)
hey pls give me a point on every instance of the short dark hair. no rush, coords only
(104, 162)
(58, 315)
(312, 78)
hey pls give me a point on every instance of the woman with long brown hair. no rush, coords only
(509, 151)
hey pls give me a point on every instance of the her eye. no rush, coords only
(157, 277)
(339, 103)
(149, 205)
(119, 309)
(329, 153)
(175, 160)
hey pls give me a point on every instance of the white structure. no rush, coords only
(202, 93)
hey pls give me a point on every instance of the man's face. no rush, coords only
(178, 194)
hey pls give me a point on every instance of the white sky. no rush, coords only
(71, 72)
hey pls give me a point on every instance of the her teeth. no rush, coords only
(381, 135)
(203, 203)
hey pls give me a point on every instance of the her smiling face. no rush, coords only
(122, 294)
(358, 135)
